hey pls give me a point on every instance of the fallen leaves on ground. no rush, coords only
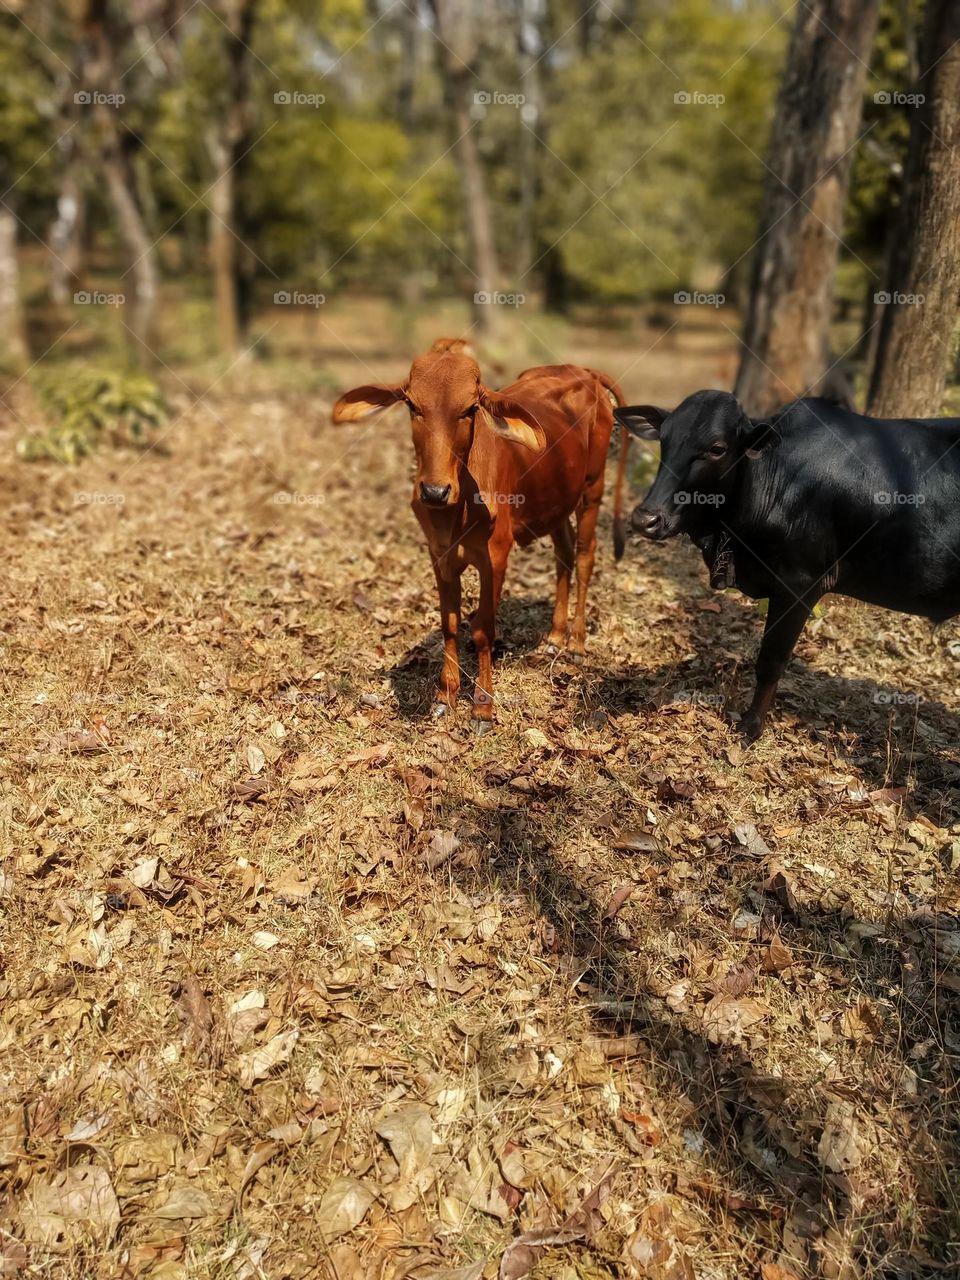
(300, 978)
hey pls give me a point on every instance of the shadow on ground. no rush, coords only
(762, 1130)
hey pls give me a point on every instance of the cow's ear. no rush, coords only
(513, 421)
(362, 401)
(456, 346)
(758, 437)
(641, 420)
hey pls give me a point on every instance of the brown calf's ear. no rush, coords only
(362, 401)
(513, 421)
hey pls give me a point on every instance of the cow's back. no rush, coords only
(872, 505)
(577, 418)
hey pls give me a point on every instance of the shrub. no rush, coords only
(85, 408)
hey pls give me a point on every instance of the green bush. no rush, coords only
(85, 408)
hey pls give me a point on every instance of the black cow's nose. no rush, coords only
(649, 523)
(435, 495)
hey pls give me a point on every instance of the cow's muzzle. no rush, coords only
(652, 524)
(435, 495)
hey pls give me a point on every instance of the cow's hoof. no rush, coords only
(750, 729)
(575, 658)
(550, 649)
(480, 727)
(440, 709)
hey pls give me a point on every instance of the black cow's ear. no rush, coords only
(758, 437)
(641, 420)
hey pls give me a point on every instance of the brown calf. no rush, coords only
(495, 468)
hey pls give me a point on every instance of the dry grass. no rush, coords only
(213, 729)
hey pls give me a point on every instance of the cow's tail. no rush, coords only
(619, 523)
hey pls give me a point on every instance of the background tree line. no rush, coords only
(803, 160)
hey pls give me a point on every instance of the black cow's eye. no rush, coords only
(717, 450)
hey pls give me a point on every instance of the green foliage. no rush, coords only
(606, 189)
(28, 128)
(878, 161)
(644, 193)
(86, 407)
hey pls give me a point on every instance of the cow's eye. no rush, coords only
(717, 450)
(413, 408)
(471, 412)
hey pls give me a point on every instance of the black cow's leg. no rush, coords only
(785, 618)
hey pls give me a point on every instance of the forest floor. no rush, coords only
(298, 983)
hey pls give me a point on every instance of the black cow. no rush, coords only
(815, 499)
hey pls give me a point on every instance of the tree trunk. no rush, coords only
(66, 234)
(13, 341)
(229, 149)
(917, 329)
(407, 72)
(141, 308)
(457, 51)
(479, 216)
(530, 41)
(786, 334)
(555, 281)
(101, 76)
(223, 248)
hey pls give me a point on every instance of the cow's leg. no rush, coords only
(786, 615)
(483, 625)
(586, 550)
(563, 550)
(449, 687)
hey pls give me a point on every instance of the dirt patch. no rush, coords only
(296, 983)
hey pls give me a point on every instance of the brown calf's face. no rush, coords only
(445, 397)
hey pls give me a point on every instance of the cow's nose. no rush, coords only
(649, 523)
(435, 495)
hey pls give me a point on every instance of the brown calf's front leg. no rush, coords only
(563, 550)
(449, 687)
(586, 551)
(786, 615)
(484, 633)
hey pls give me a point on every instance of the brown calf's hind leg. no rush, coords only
(586, 550)
(449, 687)
(786, 616)
(563, 550)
